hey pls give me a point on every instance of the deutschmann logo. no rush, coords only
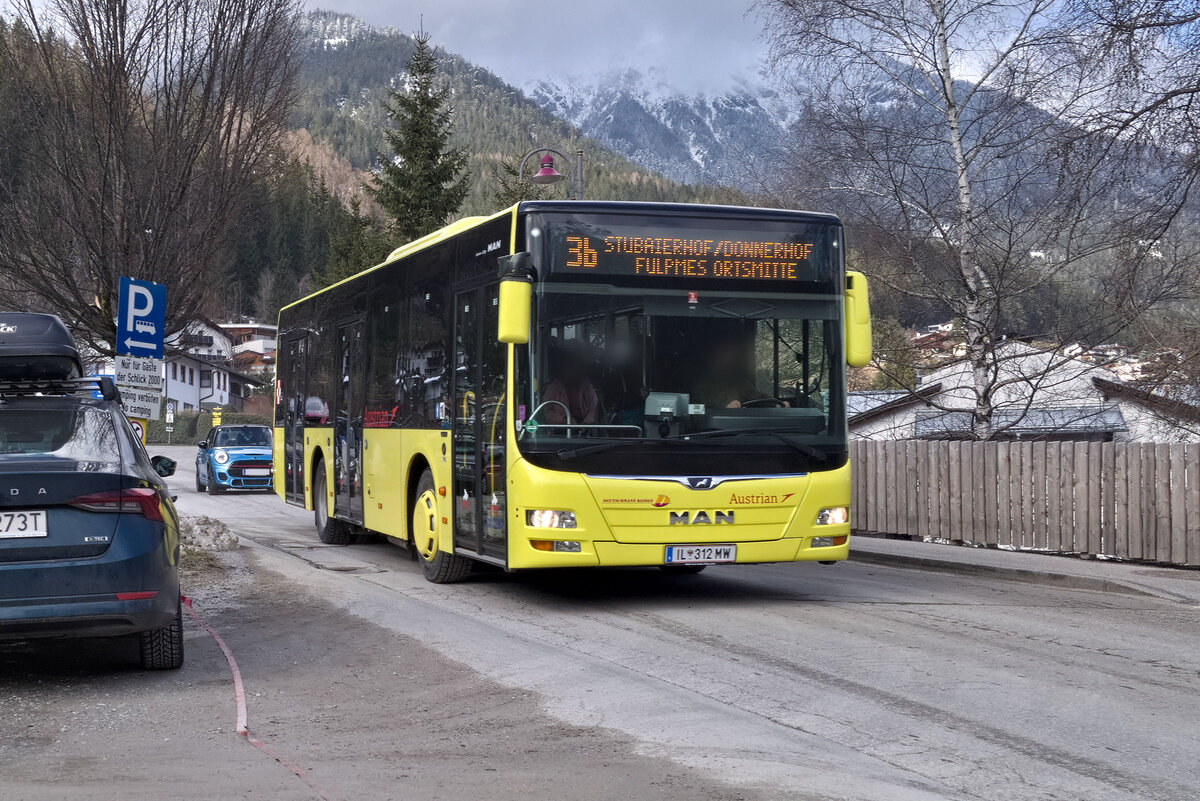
(716, 518)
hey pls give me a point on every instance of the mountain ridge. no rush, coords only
(350, 66)
(688, 136)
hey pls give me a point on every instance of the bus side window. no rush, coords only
(387, 338)
(423, 369)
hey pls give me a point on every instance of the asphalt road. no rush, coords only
(797, 681)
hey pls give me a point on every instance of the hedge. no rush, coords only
(191, 427)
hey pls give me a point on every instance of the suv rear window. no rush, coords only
(74, 433)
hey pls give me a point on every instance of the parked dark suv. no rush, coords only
(89, 538)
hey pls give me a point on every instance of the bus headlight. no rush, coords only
(827, 542)
(220, 456)
(549, 518)
(833, 516)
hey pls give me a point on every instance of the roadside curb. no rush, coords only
(1045, 578)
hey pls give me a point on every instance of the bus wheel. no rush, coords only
(682, 570)
(437, 565)
(329, 531)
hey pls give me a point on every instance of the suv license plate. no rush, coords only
(700, 554)
(29, 523)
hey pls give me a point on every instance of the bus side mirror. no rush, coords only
(858, 320)
(516, 299)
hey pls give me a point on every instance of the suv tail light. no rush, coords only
(136, 501)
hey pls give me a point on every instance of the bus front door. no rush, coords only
(478, 433)
(348, 423)
(294, 389)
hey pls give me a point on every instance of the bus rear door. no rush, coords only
(295, 390)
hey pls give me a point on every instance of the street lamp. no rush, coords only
(548, 175)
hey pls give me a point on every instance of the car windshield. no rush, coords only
(242, 437)
(637, 381)
(67, 433)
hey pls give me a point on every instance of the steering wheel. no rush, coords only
(751, 404)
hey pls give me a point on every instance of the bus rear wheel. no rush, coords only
(437, 565)
(329, 531)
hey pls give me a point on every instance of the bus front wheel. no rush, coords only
(329, 530)
(437, 565)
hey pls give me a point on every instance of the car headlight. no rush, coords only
(833, 516)
(220, 456)
(549, 518)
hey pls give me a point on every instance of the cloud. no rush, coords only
(692, 44)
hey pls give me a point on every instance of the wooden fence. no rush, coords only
(1130, 500)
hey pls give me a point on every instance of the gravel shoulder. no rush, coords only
(366, 712)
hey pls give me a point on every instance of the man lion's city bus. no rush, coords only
(582, 383)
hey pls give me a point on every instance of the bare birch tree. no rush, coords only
(959, 142)
(146, 122)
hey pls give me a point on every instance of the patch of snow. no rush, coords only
(206, 533)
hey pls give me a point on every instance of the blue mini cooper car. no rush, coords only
(234, 457)
(89, 537)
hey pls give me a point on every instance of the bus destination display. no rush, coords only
(688, 257)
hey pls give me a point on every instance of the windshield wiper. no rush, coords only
(571, 453)
(808, 450)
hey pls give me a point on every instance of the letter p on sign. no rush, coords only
(141, 303)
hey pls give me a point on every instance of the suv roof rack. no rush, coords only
(67, 386)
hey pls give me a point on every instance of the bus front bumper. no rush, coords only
(607, 553)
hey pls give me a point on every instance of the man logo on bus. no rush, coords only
(700, 482)
(716, 518)
(661, 501)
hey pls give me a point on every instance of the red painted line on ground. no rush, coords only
(239, 691)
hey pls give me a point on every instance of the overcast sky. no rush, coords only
(697, 44)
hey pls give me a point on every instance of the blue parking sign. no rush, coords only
(141, 318)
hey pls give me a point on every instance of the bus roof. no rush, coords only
(585, 207)
(674, 209)
(440, 235)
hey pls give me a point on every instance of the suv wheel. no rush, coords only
(162, 649)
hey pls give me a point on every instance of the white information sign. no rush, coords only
(140, 403)
(138, 372)
(140, 381)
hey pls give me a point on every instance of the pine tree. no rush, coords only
(426, 181)
(355, 244)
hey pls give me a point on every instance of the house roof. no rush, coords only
(1160, 404)
(938, 424)
(864, 406)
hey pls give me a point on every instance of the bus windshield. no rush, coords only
(636, 381)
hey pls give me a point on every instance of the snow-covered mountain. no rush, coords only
(693, 138)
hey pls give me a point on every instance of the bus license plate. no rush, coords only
(29, 523)
(700, 554)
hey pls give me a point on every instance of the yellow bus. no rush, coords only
(577, 383)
